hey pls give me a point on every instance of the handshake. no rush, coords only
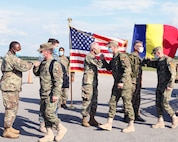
(102, 56)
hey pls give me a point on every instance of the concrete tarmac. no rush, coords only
(27, 117)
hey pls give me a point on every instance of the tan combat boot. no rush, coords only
(129, 128)
(174, 121)
(159, 124)
(85, 122)
(92, 121)
(14, 130)
(108, 125)
(42, 128)
(8, 134)
(48, 137)
(61, 131)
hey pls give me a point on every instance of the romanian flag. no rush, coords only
(153, 35)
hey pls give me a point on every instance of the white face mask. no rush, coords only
(61, 53)
(141, 49)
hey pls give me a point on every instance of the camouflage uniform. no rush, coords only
(64, 94)
(11, 84)
(166, 76)
(41, 119)
(121, 71)
(136, 83)
(49, 87)
(89, 85)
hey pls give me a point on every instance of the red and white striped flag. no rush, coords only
(80, 46)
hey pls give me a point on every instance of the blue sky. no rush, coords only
(32, 22)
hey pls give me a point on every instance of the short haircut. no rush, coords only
(137, 41)
(94, 45)
(12, 44)
(61, 48)
(53, 40)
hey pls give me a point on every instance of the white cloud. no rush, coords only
(132, 5)
(7, 20)
(170, 9)
(114, 18)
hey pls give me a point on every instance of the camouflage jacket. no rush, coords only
(91, 64)
(49, 86)
(136, 61)
(12, 68)
(166, 71)
(65, 61)
(121, 69)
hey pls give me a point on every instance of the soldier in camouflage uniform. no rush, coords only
(89, 85)
(50, 88)
(166, 72)
(65, 88)
(55, 43)
(10, 85)
(136, 80)
(121, 71)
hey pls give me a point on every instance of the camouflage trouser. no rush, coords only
(162, 102)
(47, 110)
(136, 88)
(64, 94)
(11, 103)
(126, 96)
(136, 91)
(115, 96)
(89, 100)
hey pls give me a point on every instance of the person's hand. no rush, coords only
(102, 56)
(148, 58)
(54, 98)
(37, 63)
(120, 85)
(169, 88)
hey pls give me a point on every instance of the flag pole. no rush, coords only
(71, 73)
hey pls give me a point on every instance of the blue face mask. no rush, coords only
(61, 53)
(110, 50)
(18, 53)
(41, 57)
(56, 51)
(156, 57)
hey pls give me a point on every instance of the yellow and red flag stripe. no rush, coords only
(153, 35)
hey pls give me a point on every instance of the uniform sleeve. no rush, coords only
(22, 65)
(106, 65)
(58, 79)
(126, 66)
(150, 63)
(36, 70)
(172, 69)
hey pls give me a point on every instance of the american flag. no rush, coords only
(80, 46)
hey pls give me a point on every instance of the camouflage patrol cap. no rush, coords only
(45, 46)
(158, 48)
(112, 43)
